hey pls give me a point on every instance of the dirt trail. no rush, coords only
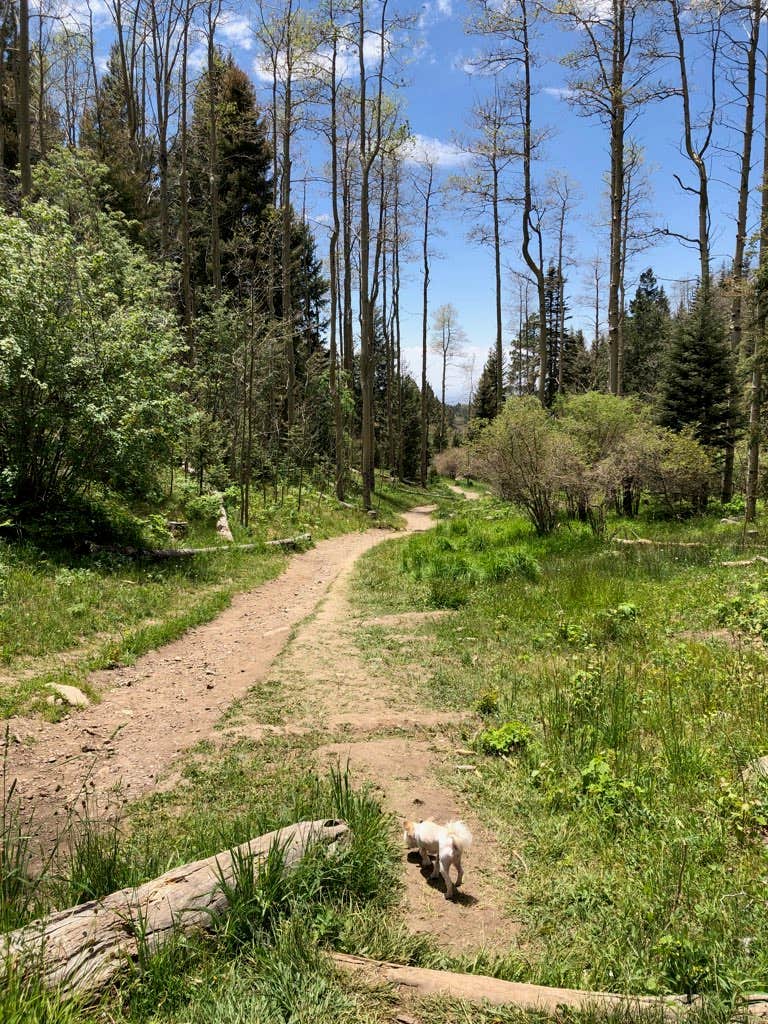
(172, 698)
(465, 492)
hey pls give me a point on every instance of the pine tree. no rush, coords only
(699, 374)
(576, 363)
(646, 337)
(485, 402)
(104, 131)
(243, 160)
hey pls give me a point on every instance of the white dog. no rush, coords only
(445, 843)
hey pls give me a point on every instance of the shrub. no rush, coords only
(88, 359)
(508, 738)
(527, 460)
(451, 463)
(203, 508)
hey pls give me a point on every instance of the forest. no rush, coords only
(156, 205)
(382, 415)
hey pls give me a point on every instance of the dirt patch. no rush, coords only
(402, 770)
(407, 618)
(723, 636)
(465, 492)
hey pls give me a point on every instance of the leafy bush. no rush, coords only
(452, 462)
(601, 786)
(506, 739)
(528, 461)
(88, 358)
(746, 612)
(487, 703)
(203, 508)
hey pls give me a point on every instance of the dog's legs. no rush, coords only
(446, 859)
(459, 868)
(425, 861)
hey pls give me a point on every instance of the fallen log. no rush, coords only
(646, 542)
(81, 950)
(746, 561)
(476, 988)
(162, 554)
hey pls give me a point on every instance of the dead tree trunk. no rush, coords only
(81, 950)
(475, 988)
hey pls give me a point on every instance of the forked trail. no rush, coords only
(151, 712)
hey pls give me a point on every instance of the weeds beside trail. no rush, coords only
(623, 696)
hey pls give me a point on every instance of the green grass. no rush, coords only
(63, 616)
(634, 834)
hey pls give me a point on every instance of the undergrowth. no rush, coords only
(620, 721)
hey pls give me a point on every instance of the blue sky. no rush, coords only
(436, 100)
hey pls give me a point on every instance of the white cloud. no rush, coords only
(559, 92)
(235, 29)
(421, 148)
(471, 65)
(433, 10)
(318, 62)
(74, 15)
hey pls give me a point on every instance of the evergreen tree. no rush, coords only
(105, 132)
(699, 374)
(576, 363)
(485, 402)
(646, 337)
(243, 160)
(411, 439)
(553, 304)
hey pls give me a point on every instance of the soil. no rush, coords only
(150, 713)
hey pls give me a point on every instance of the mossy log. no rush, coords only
(81, 950)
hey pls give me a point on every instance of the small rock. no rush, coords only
(74, 697)
(15, 738)
(209, 686)
(88, 748)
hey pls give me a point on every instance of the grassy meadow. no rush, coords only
(621, 700)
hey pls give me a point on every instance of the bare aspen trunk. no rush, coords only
(23, 106)
(285, 209)
(186, 270)
(618, 112)
(424, 321)
(739, 261)
(347, 333)
(497, 270)
(396, 312)
(536, 268)
(756, 397)
(366, 312)
(338, 422)
(213, 168)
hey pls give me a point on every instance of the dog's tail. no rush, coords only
(459, 833)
